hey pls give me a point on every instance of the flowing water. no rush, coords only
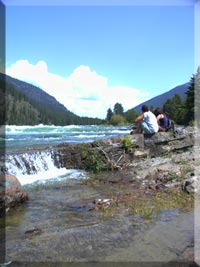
(30, 152)
(19, 137)
(60, 222)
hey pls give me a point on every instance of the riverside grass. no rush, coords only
(160, 201)
(149, 206)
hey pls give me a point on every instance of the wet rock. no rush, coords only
(190, 184)
(11, 193)
(164, 177)
(33, 232)
(160, 186)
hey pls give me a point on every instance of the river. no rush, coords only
(60, 225)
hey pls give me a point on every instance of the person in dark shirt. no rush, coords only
(162, 119)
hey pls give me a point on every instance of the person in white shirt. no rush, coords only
(146, 122)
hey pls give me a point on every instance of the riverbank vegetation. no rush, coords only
(181, 111)
(149, 194)
(162, 201)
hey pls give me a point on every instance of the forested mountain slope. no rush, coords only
(26, 104)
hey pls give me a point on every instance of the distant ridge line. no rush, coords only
(158, 101)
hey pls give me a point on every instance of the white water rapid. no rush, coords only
(38, 167)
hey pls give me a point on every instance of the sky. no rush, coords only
(90, 55)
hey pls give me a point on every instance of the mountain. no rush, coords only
(27, 104)
(159, 100)
(34, 93)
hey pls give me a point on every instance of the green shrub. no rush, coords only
(117, 119)
(127, 143)
(93, 161)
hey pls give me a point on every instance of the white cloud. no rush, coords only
(84, 92)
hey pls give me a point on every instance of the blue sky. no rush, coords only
(91, 56)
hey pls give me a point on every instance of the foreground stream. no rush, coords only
(60, 223)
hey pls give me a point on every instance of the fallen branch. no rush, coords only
(114, 164)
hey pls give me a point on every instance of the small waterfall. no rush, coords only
(37, 166)
(32, 163)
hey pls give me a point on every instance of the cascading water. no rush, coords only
(29, 163)
(36, 166)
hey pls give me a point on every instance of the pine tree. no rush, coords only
(174, 108)
(189, 103)
(131, 115)
(197, 97)
(118, 109)
(109, 114)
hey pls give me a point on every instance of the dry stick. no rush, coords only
(111, 161)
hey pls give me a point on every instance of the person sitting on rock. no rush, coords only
(146, 122)
(162, 119)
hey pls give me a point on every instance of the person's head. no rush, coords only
(158, 111)
(145, 108)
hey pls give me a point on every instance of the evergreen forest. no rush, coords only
(25, 104)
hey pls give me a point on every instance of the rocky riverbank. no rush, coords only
(139, 209)
(106, 155)
(111, 217)
(119, 153)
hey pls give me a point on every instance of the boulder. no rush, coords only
(191, 184)
(11, 193)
